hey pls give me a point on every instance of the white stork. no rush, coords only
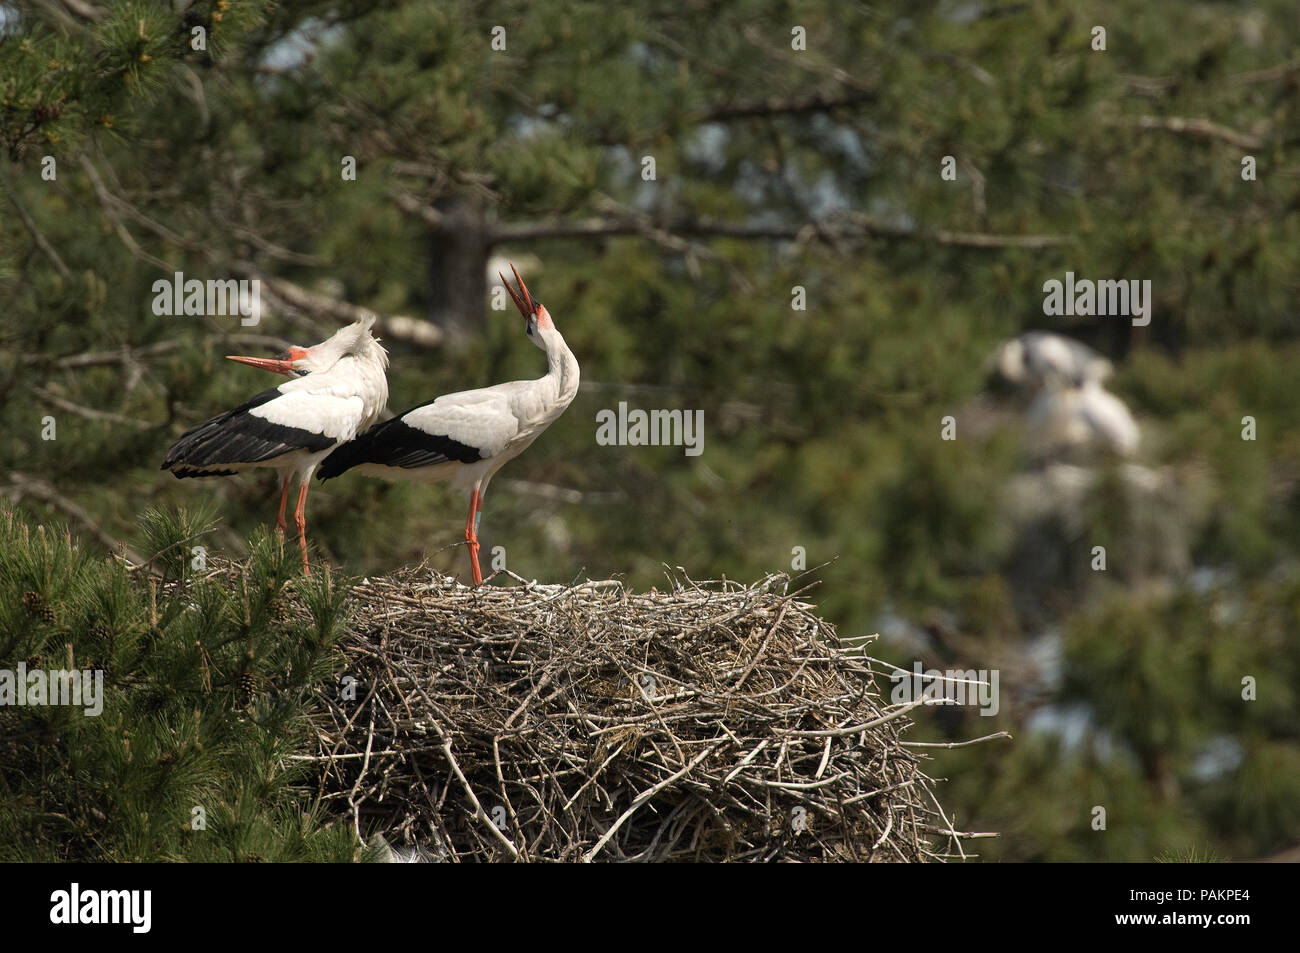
(466, 437)
(1062, 418)
(1071, 409)
(1043, 359)
(338, 390)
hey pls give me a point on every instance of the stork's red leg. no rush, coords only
(280, 525)
(300, 517)
(471, 536)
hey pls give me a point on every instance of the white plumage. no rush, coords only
(1064, 417)
(338, 390)
(466, 437)
(1071, 409)
(1043, 359)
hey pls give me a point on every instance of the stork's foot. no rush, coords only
(281, 526)
(471, 534)
(473, 561)
(300, 518)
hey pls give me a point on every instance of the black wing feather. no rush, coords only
(395, 443)
(237, 436)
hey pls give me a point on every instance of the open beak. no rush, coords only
(281, 364)
(525, 303)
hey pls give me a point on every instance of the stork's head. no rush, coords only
(1008, 362)
(355, 340)
(536, 318)
(1038, 359)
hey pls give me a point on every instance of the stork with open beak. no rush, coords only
(466, 437)
(338, 390)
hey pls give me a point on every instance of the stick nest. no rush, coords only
(710, 722)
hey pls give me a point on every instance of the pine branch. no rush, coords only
(1198, 129)
(87, 11)
(853, 225)
(397, 326)
(278, 252)
(111, 199)
(38, 236)
(562, 494)
(131, 355)
(110, 203)
(785, 105)
(24, 485)
(90, 413)
(1270, 74)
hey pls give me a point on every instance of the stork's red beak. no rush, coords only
(283, 364)
(525, 304)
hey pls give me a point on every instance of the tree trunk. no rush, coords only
(457, 264)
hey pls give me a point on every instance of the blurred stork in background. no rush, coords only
(1037, 359)
(1070, 409)
(1081, 440)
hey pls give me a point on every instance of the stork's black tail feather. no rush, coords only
(345, 457)
(395, 443)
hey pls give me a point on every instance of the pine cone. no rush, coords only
(100, 631)
(38, 607)
(247, 683)
(279, 608)
(46, 111)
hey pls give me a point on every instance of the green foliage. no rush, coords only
(58, 87)
(170, 536)
(204, 702)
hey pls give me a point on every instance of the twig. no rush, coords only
(1198, 129)
(26, 485)
(38, 236)
(90, 413)
(646, 795)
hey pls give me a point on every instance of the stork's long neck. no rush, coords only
(561, 367)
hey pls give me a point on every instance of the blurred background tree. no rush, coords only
(793, 147)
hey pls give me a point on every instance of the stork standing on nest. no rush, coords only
(467, 437)
(338, 390)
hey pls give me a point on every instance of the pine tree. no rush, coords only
(184, 761)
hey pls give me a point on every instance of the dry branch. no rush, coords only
(22, 485)
(284, 292)
(1199, 129)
